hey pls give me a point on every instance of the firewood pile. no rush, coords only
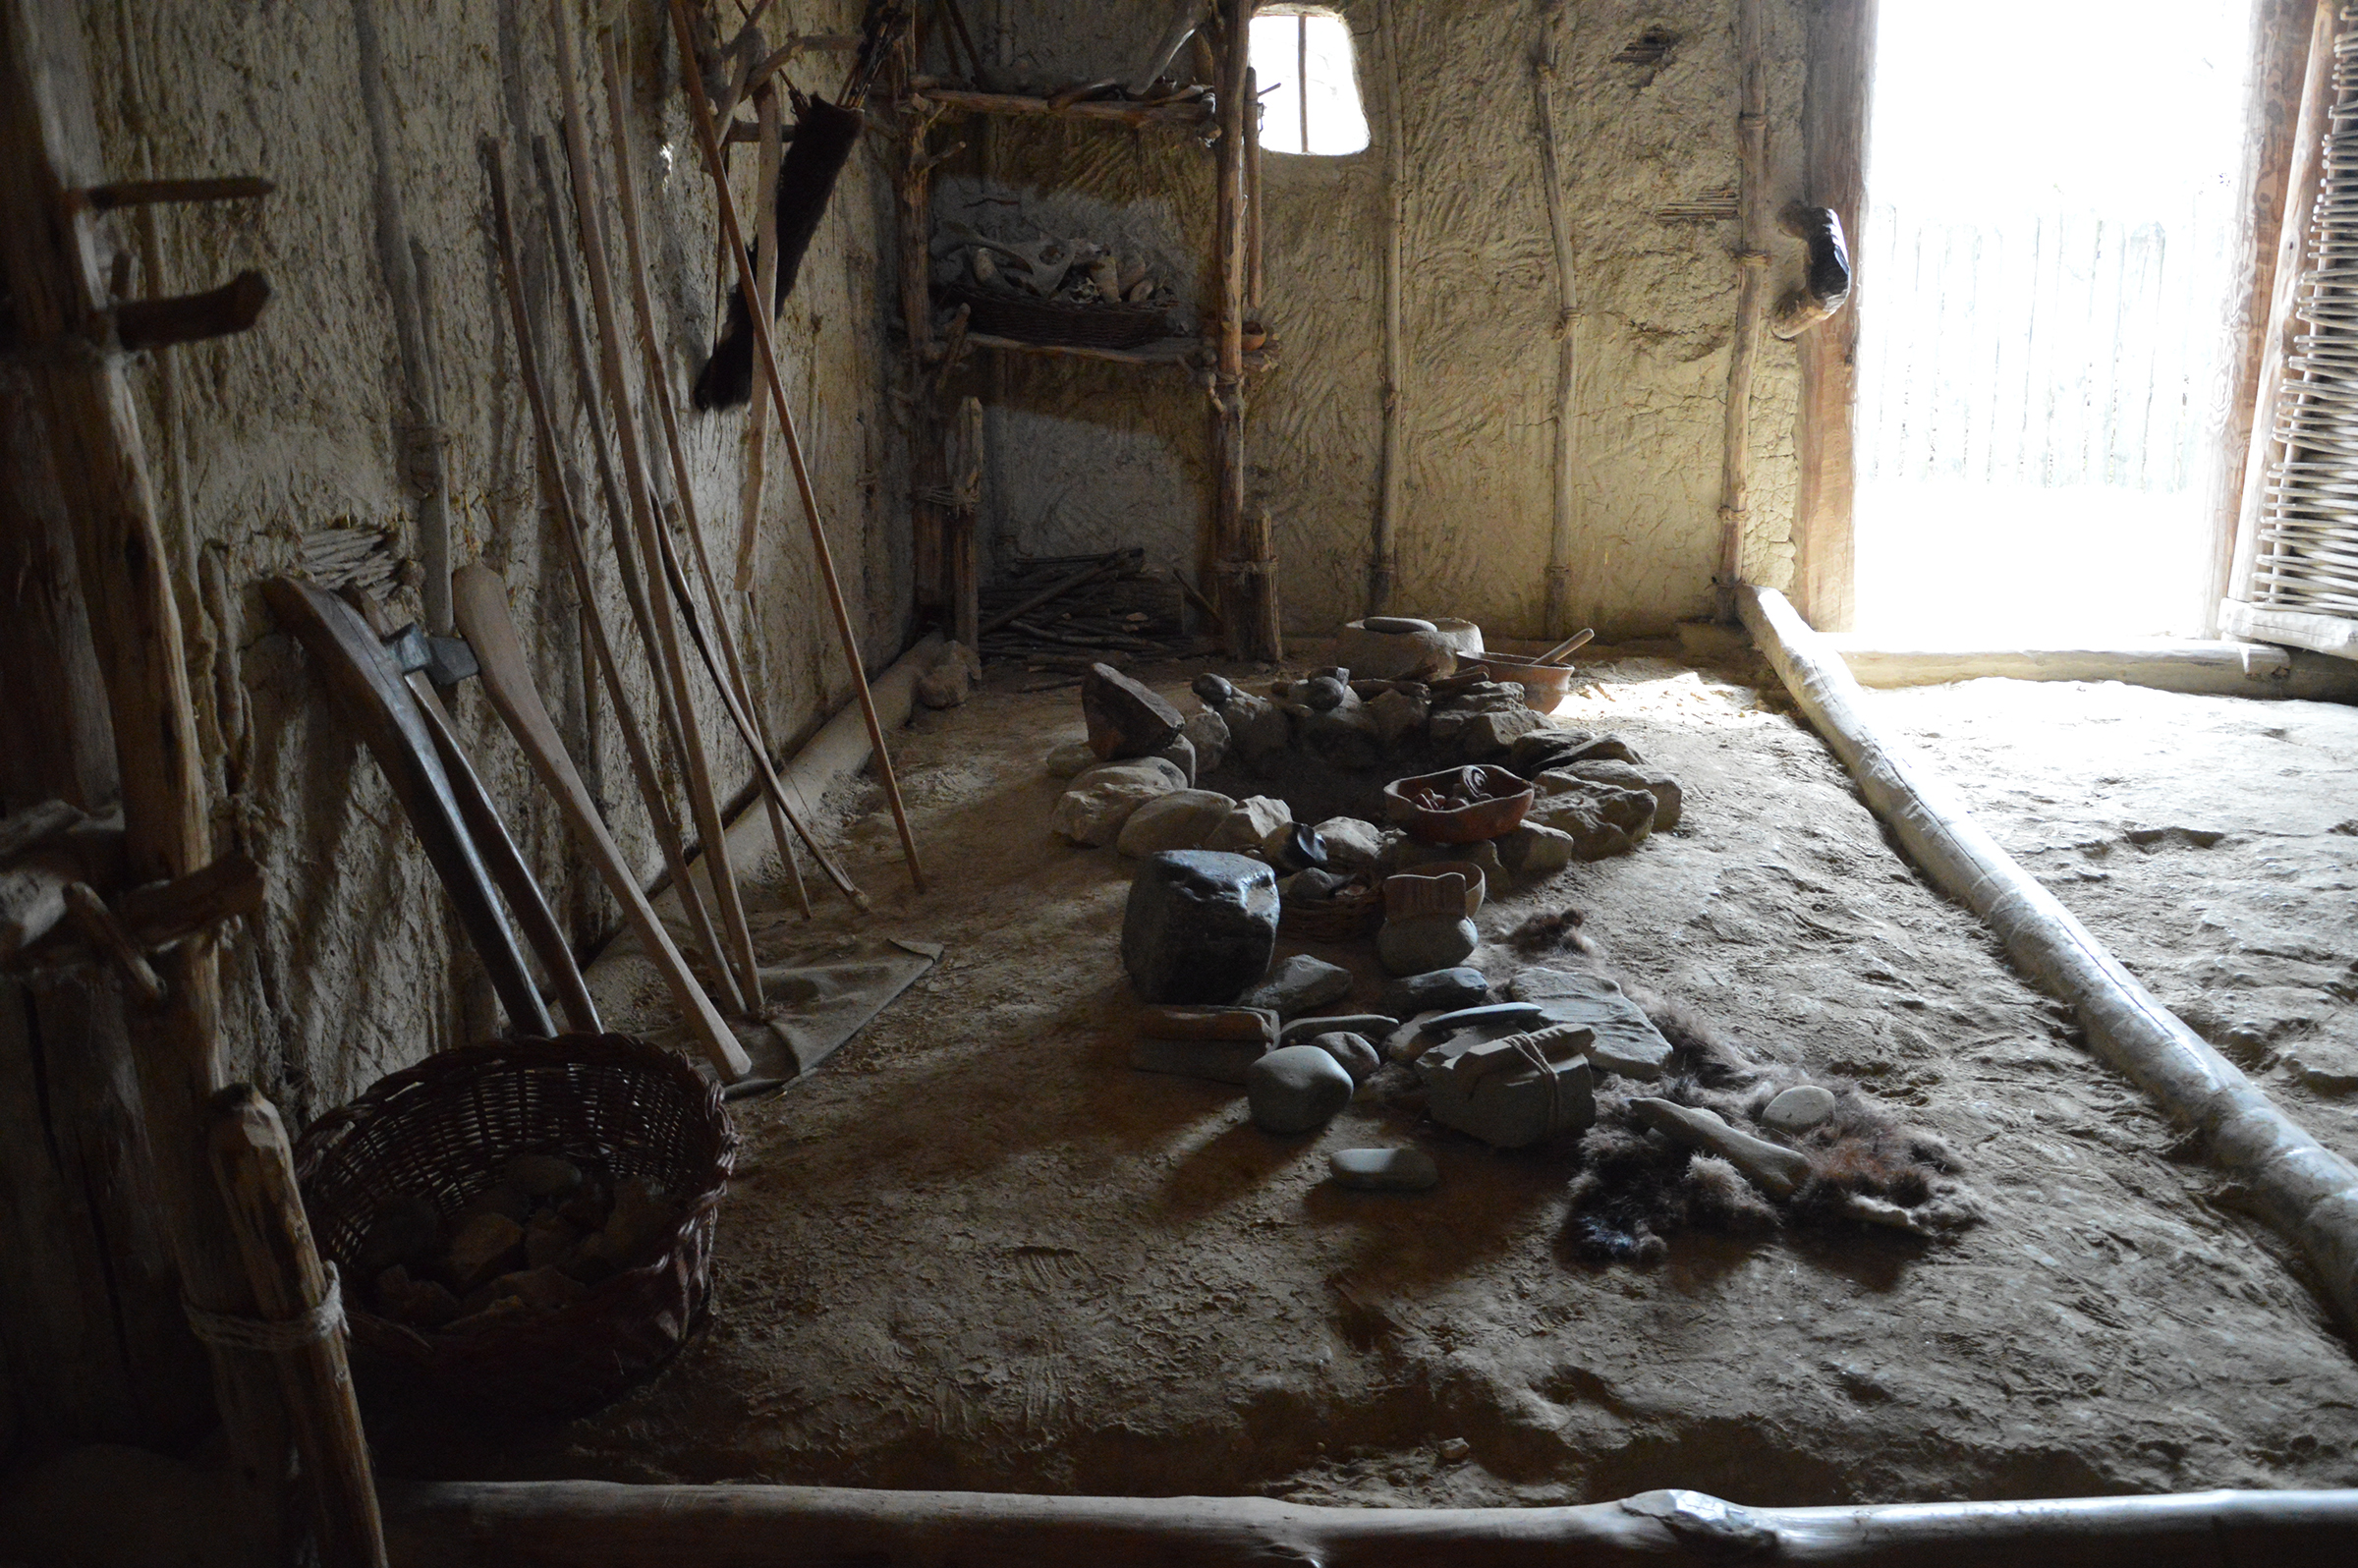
(1107, 609)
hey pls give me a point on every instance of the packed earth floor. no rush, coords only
(977, 1250)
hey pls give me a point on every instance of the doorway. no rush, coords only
(2045, 265)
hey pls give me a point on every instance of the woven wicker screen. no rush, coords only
(2302, 586)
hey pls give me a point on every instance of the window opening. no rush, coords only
(1309, 82)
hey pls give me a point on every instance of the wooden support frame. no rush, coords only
(1837, 96)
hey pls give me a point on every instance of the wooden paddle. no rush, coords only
(480, 601)
(368, 689)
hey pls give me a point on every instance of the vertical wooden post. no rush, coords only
(1836, 95)
(958, 543)
(52, 256)
(254, 1170)
(1247, 566)
(928, 565)
(757, 417)
(1556, 618)
(2285, 128)
(1752, 269)
(1384, 559)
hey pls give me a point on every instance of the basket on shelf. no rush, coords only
(1354, 910)
(443, 1129)
(1107, 325)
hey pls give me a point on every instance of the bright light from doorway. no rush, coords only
(1295, 46)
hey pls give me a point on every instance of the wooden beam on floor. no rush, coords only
(609, 1525)
(2305, 1191)
(2200, 668)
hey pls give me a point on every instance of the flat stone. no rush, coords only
(1557, 1042)
(1310, 886)
(1073, 756)
(1384, 1170)
(1396, 624)
(1207, 733)
(1513, 1108)
(1798, 1109)
(1255, 822)
(1296, 1088)
(1254, 1024)
(1374, 1026)
(1358, 1057)
(1425, 942)
(1771, 1168)
(1396, 715)
(1440, 989)
(1095, 810)
(1533, 851)
(1298, 984)
(1602, 820)
(1181, 820)
(1218, 1061)
(1627, 1042)
(1125, 717)
(1199, 925)
(1541, 750)
(1488, 735)
(1352, 844)
(1670, 801)
(1212, 689)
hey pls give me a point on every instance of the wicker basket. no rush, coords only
(1354, 911)
(443, 1129)
(1094, 326)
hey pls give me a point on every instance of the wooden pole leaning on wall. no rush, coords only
(1558, 615)
(769, 143)
(2308, 1193)
(484, 1524)
(765, 355)
(670, 662)
(1245, 560)
(583, 359)
(737, 694)
(300, 1323)
(1383, 553)
(49, 149)
(1752, 283)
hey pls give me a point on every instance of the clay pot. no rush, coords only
(1410, 895)
(1497, 800)
(1415, 653)
(1544, 685)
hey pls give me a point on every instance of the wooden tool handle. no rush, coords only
(367, 686)
(480, 602)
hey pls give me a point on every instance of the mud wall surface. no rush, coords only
(1088, 456)
(256, 441)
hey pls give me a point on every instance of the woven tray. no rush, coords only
(1352, 912)
(443, 1129)
(1094, 326)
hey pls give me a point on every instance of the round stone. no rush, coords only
(1384, 1170)
(1358, 1057)
(1322, 693)
(1798, 1109)
(1212, 689)
(1296, 1088)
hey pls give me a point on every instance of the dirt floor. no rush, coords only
(977, 1250)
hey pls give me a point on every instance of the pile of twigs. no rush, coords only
(1057, 612)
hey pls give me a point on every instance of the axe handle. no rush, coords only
(480, 601)
(367, 688)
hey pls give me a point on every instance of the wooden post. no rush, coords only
(1384, 559)
(1836, 98)
(959, 550)
(929, 567)
(1247, 566)
(1557, 617)
(255, 1170)
(2275, 289)
(757, 418)
(1752, 269)
(52, 259)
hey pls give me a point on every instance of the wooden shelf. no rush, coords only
(1186, 353)
(1111, 111)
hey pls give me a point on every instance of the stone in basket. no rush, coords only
(523, 1228)
(1458, 805)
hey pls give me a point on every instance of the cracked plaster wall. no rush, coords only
(1085, 457)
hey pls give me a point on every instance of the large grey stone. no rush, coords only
(1199, 927)
(1373, 1026)
(1207, 732)
(1352, 844)
(1181, 820)
(1532, 852)
(1488, 735)
(1384, 1170)
(1125, 717)
(1258, 729)
(1099, 802)
(1535, 753)
(1627, 1042)
(1256, 823)
(1440, 989)
(1397, 716)
(1670, 801)
(1299, 984)
(1296, 1088)
(1512, 1108)
(1425, 942)
(1347, 738)
(1602, 819)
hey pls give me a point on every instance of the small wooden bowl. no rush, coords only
(1497, 803)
